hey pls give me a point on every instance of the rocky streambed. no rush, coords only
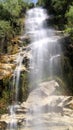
(42, 110)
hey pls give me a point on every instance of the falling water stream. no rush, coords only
(15, 88)
(45, 47)
(45, 52)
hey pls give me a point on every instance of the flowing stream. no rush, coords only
(44, 62)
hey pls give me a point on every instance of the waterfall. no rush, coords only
(45, 53)
(44, 62)
(15, 89)
(45, 49)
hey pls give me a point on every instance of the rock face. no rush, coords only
(44, 110)
(9, 62)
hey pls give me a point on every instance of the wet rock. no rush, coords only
(6, 70)
(9, 62)
(44, 89)
(7, 58)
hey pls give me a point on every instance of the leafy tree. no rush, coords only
(58, 8)
(69, 26)
(69, 16)
(11, 12)
(13, 7)
(6, 33)
(4, 14)
(55, 6)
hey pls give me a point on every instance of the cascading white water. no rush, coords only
(15, 89)
(45, 47)
(13, 122)
(16, 77)
(45, 53)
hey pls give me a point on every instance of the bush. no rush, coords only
(69, 26)
(69, 16)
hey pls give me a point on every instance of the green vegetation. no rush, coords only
(69, 26)
(4, 95)
(6, 33)
(12, 13)
(58, 8)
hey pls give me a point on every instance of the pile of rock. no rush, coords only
(44, 109)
